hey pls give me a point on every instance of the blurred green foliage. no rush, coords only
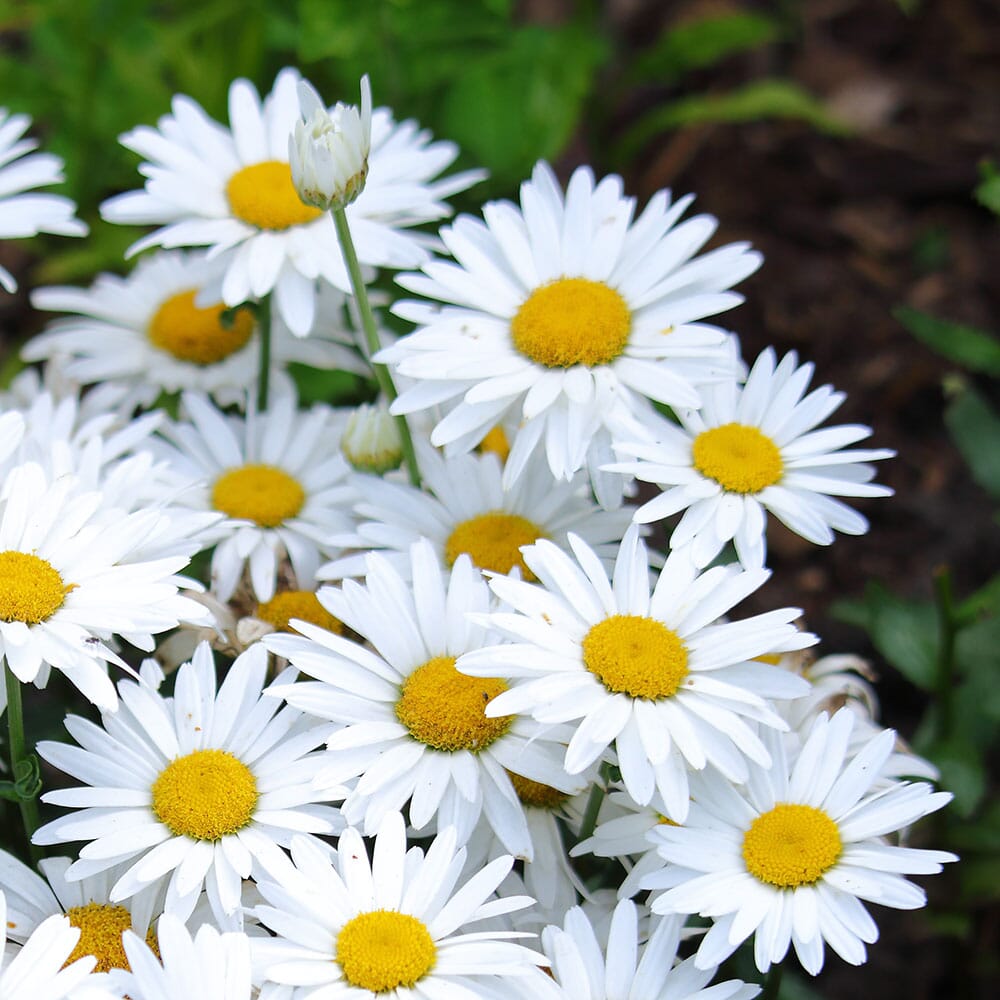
(507, 92)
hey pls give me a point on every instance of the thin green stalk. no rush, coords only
(945, 681)
(264, 372)
(772, 983)
(382, 375)
(593, 807)
(19, 761)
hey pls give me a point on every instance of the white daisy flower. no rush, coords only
(411, 728)
(231, 190)
(208, 966)
(620, 833)
(628, 968)
(67, 583)
(328, 150)
(754, 449)
(570, 313)
(394, 927)
(24, 214)
(463, 507)
(279, 478)
(652, 674)
(32, 899)
(789, 857)
(38, 969)
(150, 332)
(202, 788)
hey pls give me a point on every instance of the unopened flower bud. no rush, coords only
(371, 441)
(328, 150)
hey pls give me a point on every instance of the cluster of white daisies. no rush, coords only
(509, 750)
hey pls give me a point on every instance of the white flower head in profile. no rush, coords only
(328, 150)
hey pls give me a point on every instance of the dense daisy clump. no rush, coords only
(393, 677)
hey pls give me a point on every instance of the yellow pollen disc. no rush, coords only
(197, 335)
(31, 589)
(496, 442)
(637, 656)
(534, 793)
(302, 604)
(791, 845)
(739, 458)
(662, 820)
(206, 795)
(101, 927)
(773, 658)
(446, 709)
(383, 950)
(493, 541)
(263, 195)
(572, 321)
(261, 493)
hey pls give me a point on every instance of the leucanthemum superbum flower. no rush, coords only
(628, 968)
(150, 331)
(23, 212)
(39, 968)
(328, 150)
(753, 449)
(231, 189)
(789, 856)
(462, 507)
(570, 313)
(198, 791)
(410, 727)
(32, 899)
(205, 966)
(69, 582)
(278, 477)
(394, 927)
(651, 674)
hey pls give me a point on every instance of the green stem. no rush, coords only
(264, 372)
(945, 603)
(596, 797)
(382, 375)
(772, 983)
(18, 755)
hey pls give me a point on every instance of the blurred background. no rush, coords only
(854, 142)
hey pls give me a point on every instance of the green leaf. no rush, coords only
(906, 633)
(976, 350)
(522, 102)
(988, 189)
(986, 601)
(702, 43)
(975, 429)
(757, 101)
(963, 773)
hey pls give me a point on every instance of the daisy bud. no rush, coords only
(328, 150)
(370, 441)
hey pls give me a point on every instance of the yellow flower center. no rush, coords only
(739, 458)
(302, 604)
(637, 656)
(534, 793)
(101, 927)
(496, 442)
(206, 795)
(264, 195)
(196, 335)
(446, 709)
(261, 493)
(773, 658)
(791, 845)
(572, 321)
(31, 589)
(493, 541)
(383, 950)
